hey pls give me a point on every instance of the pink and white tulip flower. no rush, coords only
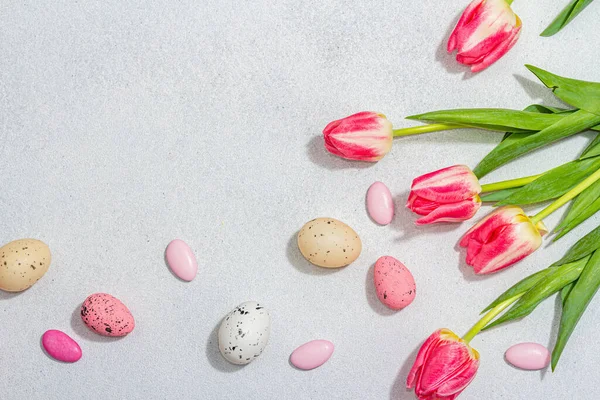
(501, 239)
(366, 136)
(486, 30)
(444, 367)
(447, 195)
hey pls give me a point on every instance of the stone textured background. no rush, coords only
(126, 124)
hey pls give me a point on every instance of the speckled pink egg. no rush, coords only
(106, 315)
(394, 283)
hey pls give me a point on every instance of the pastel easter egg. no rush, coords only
(61, 346)
(394, 284)
(380, 204)
(244, 333)
(529, 356)
(312, 354)
(22, 263)
(181, 260)
(106, 315)
(329, 243)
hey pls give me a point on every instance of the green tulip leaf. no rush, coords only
(497, 119)
(593, 149)
(498, 195)
(584, 247)
(548, 285)
(579, 94)
(564, 293)
(510, 137)
(521, 287)
(539, 108)
(566, 16)
(584, 206)
(534, 108)
(553, 183)
(566, 126)
(577, 301)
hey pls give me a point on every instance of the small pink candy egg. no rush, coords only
(394, 284)
(312, 354)
(60, 346)
(380, 204)
(106, 315)
(181, 260)
(529, 356)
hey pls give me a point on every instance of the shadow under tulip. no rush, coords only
(465, 269)
(448, 60)
(404, 221)
(398, 391)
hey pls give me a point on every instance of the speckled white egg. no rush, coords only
(22, 263)
(244, 333)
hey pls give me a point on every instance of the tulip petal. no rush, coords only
(412, 198)
(365, 136)
(421, 358)
(473, 249)
(331, 148)
(488, 31)
(454, 386)
(512, 245)
(454, 212)
(352, 120)
(465, 18)
(447, 185)
(444, 366)
(359, 146)
(501, 239)
(482, 230)
(445, 361)
(499, 51)
(485, 32)
(421, 206)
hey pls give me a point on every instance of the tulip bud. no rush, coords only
(501, 239)
(447, 195)
(366, 136)
(444, 367)
(486, 30)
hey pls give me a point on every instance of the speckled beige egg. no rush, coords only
(329, 243)
(22, 263)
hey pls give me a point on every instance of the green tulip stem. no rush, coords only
(513, 183)
(490, 315)
(509, 2)
(417, 130)
(565, 198)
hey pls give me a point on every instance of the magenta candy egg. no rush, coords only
(312, 354)
(394, 284)
(529, 356)
(106, 315)
(380, 204)
(181, 260)
(60, 346)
